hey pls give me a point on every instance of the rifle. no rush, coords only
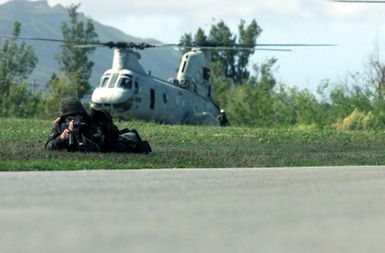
(75, 137)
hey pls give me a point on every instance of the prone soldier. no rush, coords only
(76, 130)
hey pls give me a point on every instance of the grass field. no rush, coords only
(22, 148)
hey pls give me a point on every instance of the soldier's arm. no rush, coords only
(54, 141)
(56, 144)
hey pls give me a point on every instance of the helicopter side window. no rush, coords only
(136, 87)
(125, 82)
(113, 79)
(152, 98)
(184, 66)
(206, 73)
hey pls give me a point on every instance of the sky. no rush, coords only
(357, 28)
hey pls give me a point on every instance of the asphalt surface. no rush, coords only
(338, 209)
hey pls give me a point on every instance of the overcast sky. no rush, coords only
(356, 28)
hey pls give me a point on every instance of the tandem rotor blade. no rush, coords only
(218, 46)
(73, 43)
(110, 44)
(32, 38)
(295, 45)
(357, 1)
(143, 45)
(240, 48)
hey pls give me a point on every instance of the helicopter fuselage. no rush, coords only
(127, 92)
(128, 95)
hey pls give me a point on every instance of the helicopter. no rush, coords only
(128, 92)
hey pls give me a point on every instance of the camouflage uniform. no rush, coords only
(96, 133)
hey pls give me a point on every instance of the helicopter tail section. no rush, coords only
(194, 73)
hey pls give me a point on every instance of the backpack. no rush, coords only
(116, 140)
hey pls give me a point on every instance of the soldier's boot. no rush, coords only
(143, 147)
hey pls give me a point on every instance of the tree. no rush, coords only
(252, 104)
(186, 39)
(74, 61)
(221, 35)
(60, 87)
(247, 36)
(376, 73)
(17, 61)
(200, 37)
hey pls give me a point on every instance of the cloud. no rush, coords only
(202, 11)
(218, 8)
(166, 20)
(184, 8)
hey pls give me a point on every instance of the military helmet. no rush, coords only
(71, 106)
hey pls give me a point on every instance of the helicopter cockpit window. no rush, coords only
(113, 79)
(206, 73)
(125, 82)
(104, 81)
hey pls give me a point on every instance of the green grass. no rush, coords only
(22, 148)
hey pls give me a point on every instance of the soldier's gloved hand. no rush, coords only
(71, 126)
(65, 134)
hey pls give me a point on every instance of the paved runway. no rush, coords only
(338, 209)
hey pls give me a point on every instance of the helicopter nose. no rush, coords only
(113, 107)
(112, 100)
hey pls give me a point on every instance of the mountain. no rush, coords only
(38, 19)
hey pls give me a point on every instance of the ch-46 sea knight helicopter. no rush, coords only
(127, 91)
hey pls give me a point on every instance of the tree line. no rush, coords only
(258, 100)
(18, 60)
(251, 97)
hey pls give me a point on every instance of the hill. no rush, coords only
(41, 20)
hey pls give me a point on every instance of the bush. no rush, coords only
(361, 121)
(19, 102)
